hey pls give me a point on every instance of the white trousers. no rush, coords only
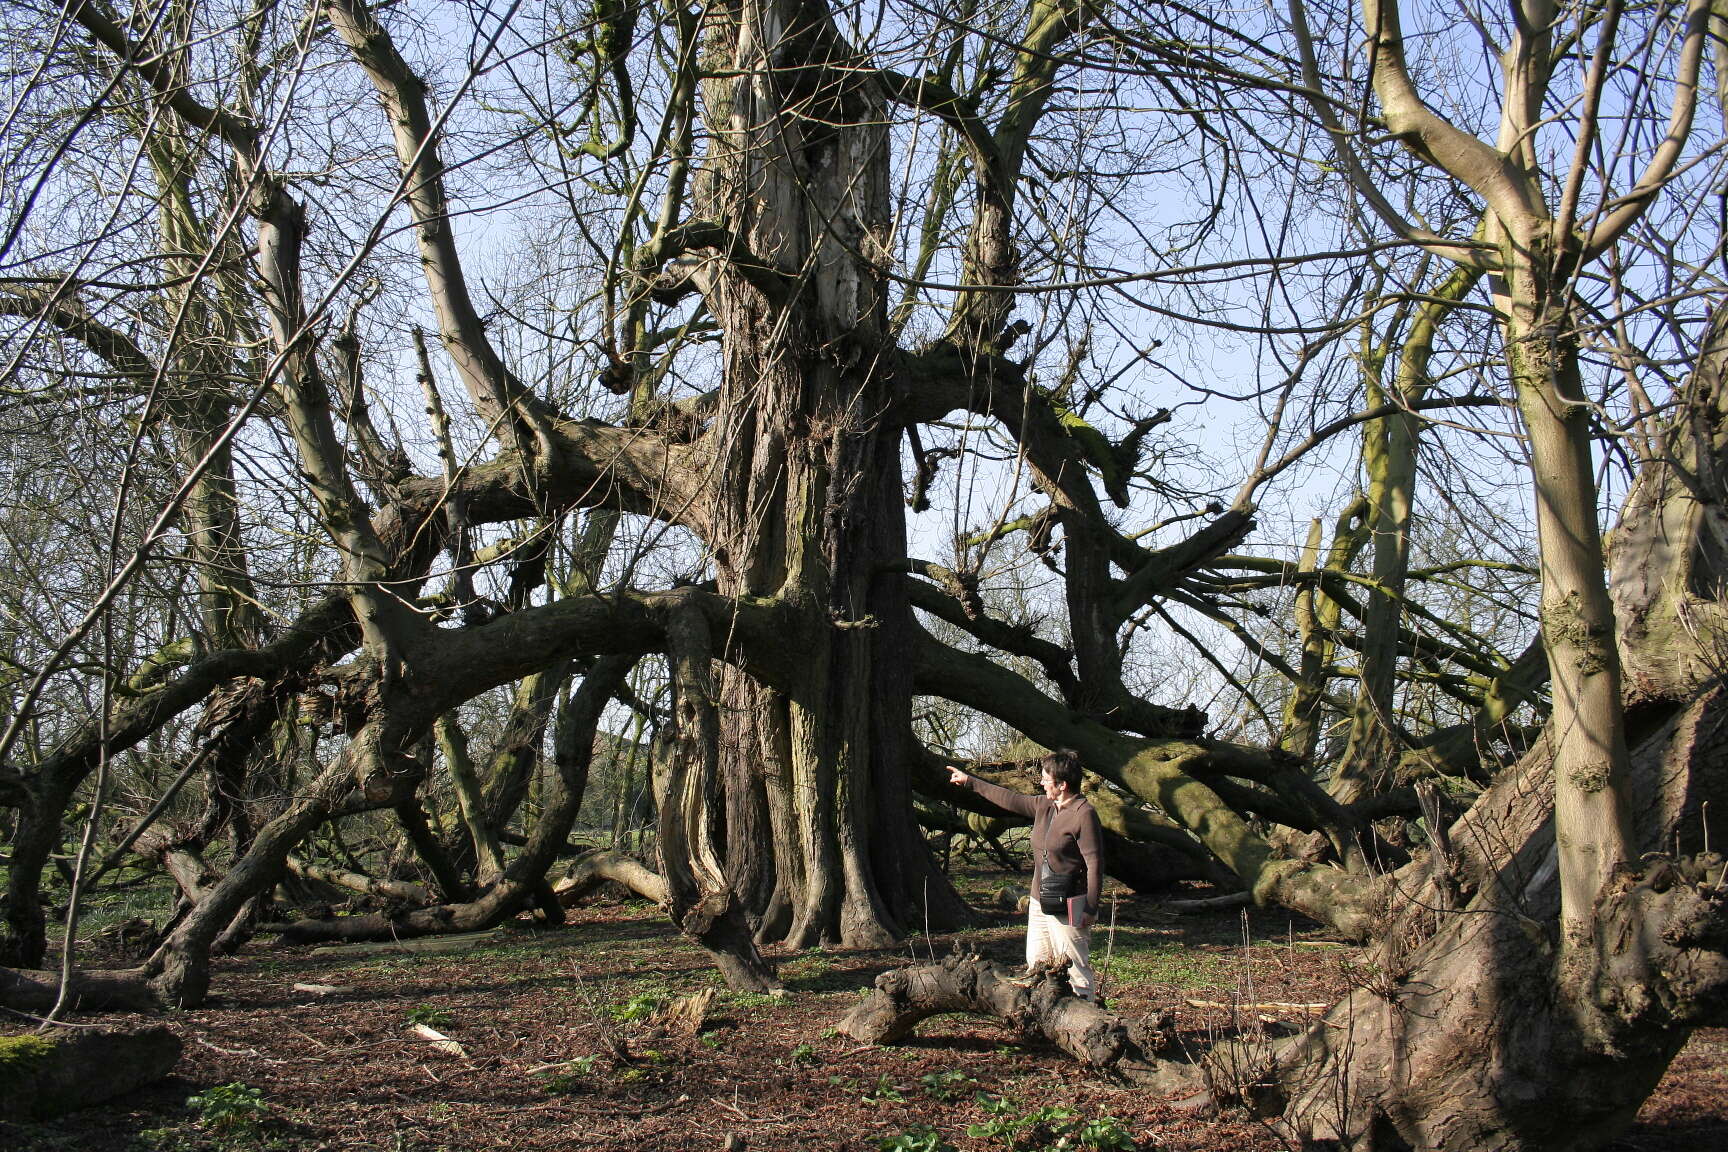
(1051, 938)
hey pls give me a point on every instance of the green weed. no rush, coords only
(638, 1007)
(430, 1016)
(571, 1075)
(949, 1085)
(230, 1109)
(916, 1139)
(885, 1092)
(1050, 1129)
(1105, 1132)
(1138, 960)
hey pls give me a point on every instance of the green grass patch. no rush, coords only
(816, 973)
(1139, 957)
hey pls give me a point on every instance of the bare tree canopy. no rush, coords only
(429, 423)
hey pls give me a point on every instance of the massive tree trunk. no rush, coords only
(1472, 1039)
(807, 505)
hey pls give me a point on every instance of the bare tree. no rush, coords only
(771, 241)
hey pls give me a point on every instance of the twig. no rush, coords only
(1109, 946)
(253, 1052)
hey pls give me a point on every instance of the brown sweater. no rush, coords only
(1070, 834)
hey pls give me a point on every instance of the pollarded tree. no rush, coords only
(788, 471)
(762, 312)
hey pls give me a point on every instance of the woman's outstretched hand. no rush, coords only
(955, 776)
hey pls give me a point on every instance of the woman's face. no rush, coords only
(1051, 788)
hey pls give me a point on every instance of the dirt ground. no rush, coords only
(559, 1050)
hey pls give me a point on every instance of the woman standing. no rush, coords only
(1067, 865)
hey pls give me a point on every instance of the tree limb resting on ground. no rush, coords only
(1044, 1005)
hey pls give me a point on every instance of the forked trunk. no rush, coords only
(1480, 1027)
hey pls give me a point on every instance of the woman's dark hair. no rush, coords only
(1063, 764)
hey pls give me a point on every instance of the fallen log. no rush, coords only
(1039, 1006)
(118, 990)
(424, 946)
(45, 1076)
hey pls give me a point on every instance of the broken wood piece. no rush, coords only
(1264, 1006)
(685, 1015)
(321, 989)
(440, 1042)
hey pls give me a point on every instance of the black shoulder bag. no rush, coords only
(1054, 888)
